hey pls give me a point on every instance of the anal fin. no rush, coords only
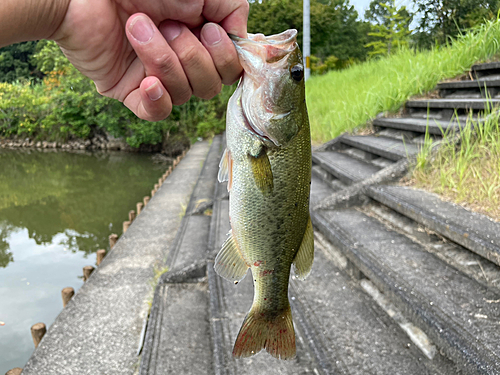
(304, 258)
(229, 263)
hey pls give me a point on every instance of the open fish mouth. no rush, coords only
(269, 48)
(283, 38)
(265, 64)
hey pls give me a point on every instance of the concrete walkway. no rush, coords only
(99, 331)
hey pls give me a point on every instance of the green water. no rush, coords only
(56, 210)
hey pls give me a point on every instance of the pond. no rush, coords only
(56, 210)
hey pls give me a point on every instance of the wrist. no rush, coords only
(23, 20)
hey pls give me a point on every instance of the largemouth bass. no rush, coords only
(267, 164)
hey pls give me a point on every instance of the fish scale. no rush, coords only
(268, 166)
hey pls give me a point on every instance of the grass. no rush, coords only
(340, 101)
(467, 173)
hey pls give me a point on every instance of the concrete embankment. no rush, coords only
(99, 331)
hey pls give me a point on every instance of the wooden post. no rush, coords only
(140, 205)
(131, 215)
(87, 271)
(100, 256)
(146, 200)
(126, 224)
(112, 240)
(169, 169)
(67, 294)
(14, 371)
(37, 332)
(160, 181)
(153, 193)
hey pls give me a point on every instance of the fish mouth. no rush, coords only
(258, 49)
(283, 38)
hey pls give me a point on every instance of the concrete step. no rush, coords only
(339, 329)
(432, 126)
(464, 104)
(192, 236)
(459, 257)
(333, 182)
(319, 190)
(345, 168)
(386, 147)
(479, 84)
(481, 70)
(473, 231)
(229, 305)
(459, 314)
(178, 340)
(178, 322)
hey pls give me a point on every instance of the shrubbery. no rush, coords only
(66, 105)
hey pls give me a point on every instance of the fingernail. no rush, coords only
(171, 30)
(141, 29)
(154, 92)
(211, 34)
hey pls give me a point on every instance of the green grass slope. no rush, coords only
(342, 100)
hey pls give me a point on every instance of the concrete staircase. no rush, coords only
(402, 283)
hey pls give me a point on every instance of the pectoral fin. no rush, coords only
(229, 263)
(262, 173)
(305, 256)
(226, 169)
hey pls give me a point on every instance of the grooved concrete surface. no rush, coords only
(99, 330)
(344, 167)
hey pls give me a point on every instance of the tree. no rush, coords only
(16, 62)
(335, 28)
(391, 29)
(442, 19)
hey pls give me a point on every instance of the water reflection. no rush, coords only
(56, 210)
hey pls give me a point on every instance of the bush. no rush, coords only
(66, 105)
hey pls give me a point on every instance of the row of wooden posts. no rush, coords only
(38, 330)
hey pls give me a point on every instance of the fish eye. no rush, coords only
(297, 72)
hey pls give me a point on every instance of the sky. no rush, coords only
(362, 5)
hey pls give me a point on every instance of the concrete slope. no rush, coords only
(99, 331)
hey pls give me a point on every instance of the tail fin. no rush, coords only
(258, 332)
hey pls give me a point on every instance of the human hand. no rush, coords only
(152, 54)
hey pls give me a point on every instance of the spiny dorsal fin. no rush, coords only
(229, 263)
(305, 256)
(262, 173)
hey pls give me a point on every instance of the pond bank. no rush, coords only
(99, 331)
(57, 209)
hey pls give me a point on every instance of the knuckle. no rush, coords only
(189, 56)
(163, 64)
(226, 61)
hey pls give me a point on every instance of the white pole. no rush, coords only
(306, 43)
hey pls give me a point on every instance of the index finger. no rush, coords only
(231, 15)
